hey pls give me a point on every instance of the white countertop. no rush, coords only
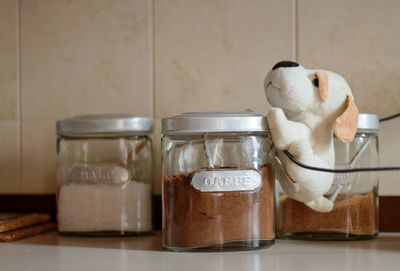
(54, 252)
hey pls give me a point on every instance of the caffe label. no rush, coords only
(101, 174)
(226, 180)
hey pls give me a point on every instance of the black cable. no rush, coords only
(350, 170)
(361, 169)
(389, 117)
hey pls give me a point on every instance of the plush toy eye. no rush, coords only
(315, 82)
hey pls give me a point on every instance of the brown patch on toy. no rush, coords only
(345, 126)
(323, 85)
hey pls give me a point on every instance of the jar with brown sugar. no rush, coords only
(355, 195)
(218, 182)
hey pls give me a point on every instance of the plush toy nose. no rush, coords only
(285, 64)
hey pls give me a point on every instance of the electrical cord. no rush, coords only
(361, 169)
(390, 117)
(350, 170)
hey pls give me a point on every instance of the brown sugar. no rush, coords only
(197, 219)
(352, 214)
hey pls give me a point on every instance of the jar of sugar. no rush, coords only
(105, 175)
(355, 195)
(218, 185)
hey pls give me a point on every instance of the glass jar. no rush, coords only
(218, 183)
(355, 195)
(105, 175)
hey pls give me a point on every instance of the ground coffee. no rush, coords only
(197, 219)
(352, 214)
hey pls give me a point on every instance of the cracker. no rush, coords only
(27, 232)
(12, 221)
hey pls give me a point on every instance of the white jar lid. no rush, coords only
(214, 122)
(104, 124)
(368, 123)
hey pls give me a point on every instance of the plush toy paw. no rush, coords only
(322, 205)
(277, 122)
(276, 115)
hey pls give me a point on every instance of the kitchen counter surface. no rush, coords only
(55, 252)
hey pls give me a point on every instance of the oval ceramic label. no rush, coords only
(226, 180)
(99, 174)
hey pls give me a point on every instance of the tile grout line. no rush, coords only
(152, 37)
(296, 29)
(19, 64)
(152, 59)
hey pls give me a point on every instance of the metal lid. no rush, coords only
(104, 124)
(205, 122)
(368, 123)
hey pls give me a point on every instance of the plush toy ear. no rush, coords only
(345, 126)
(322, 85)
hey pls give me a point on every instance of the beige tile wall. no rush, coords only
(163, 57)
(79, 57)
(10, 181)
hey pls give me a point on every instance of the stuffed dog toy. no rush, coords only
(307, 106)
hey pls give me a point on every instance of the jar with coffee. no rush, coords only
(105, 177)
(355, 195)
(218, 182)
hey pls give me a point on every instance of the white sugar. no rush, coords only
(97, 207)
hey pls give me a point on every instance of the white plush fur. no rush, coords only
(301, 123)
